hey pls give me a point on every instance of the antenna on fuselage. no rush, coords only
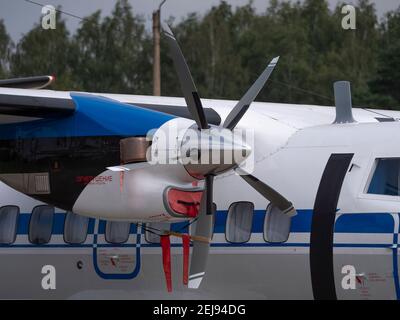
(343, 103)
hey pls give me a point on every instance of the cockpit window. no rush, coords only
(385, 180)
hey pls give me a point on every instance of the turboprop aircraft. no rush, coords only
(126, 196)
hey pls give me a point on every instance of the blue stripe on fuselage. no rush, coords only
(365, 223)
(94, 116)
(347, 223)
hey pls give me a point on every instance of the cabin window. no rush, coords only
(276, 225)
(75, 228)
(8, 224)
(117, 231)
(153, 230)
(385, 180)
(239, 222)
(41, 224)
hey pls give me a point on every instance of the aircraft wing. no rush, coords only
(34, 106)
(23, 104)
(38, 82)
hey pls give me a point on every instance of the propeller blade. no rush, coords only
(38, 82)
(204, 230)
(185, 78)
(269, 193)
(209, 180)
(241, 107)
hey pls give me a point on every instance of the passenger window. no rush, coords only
(41, 224)
(75, 228)
(239, 222)
(153, 230)
(117, 231)
(8, 224)
(276, 225)
(385, 180)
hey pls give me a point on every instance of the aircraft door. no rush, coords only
(365, 256)
(116, 250)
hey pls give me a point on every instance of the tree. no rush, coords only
(113, 55)
(356, 52)
(226, 50)
(385, 86)
(42, 52)
(5, 51)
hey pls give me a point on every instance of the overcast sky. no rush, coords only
(20, 15)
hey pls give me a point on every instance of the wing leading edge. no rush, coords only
(14, 103)
(35, 106)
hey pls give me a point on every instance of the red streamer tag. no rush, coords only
(166, 256)
(193, 211)
(186, 247)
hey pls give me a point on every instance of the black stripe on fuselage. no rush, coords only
(322, 227)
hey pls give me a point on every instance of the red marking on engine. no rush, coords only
(183, 202)
(121, 181)
(166, 256)
(98, 180)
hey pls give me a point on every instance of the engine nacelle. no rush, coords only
(164, 187)
(151, 193)
(148, 191)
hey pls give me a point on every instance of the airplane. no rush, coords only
(307, 208)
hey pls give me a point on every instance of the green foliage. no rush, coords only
(113, 55)
(43, 51)
(226, 49)
(5, 50)
(385, 86)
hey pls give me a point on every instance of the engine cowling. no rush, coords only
(165, 187)
(146, 191)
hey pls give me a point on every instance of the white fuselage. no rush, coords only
(292, 145)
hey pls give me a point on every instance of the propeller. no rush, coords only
(244, 103)
(188, 87)
(203, 229)
(192, 98)
(268, 193)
